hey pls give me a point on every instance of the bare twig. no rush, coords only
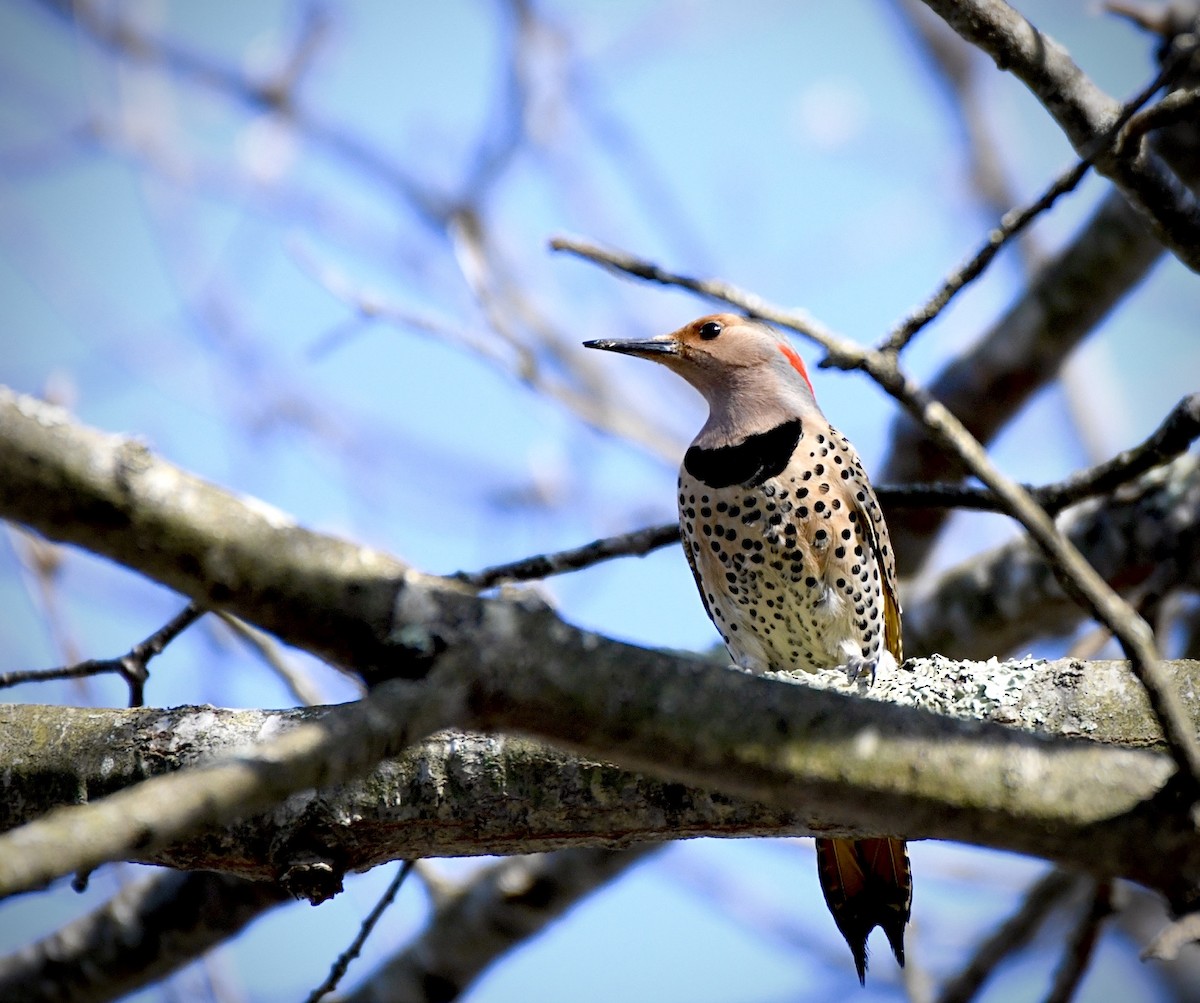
(1081, 944)
(133, 666)
(122, 36)
(306, 692)
(511, 313)
(955, 63)
(1041, 898)
(1016, 220)
(280, 90)
(637, 543)
(1177, 106)
(1011, 225)
(1076, 575)
(1084, 113)
(1178, 430)
(343, 961)
(1002, 599)
(500, 907)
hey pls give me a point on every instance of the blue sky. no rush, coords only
(171, 280)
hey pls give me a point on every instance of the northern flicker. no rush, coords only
(788, 547)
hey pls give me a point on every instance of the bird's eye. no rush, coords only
(710, 330)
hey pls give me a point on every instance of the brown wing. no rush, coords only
(881, 546)
(871, 516)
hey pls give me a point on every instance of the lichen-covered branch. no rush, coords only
(510, 664)
(456, 794)
(340, 743)
(836, 763)
(468, 794)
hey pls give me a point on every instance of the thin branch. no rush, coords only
(637, 543)
(1040, 899)
(510, 312)
(306, 692)
(1081, 944)
(1004, 598)
(1084, 113)
(338, 971)
(1011, 224)
(1174, 435)
(1025, 347)
(1076, 575)
(1178, 106)
(133, 666)
(1015, 221)
(501, 907)
(955, 63)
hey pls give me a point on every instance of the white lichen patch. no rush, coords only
(194, 729)
(991, 690)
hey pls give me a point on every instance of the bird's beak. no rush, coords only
(651, 348)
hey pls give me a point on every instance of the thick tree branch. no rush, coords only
(342, 742)
(145, 932)
(456, 794)
(112, 496)
(825, 761)
(467, 794)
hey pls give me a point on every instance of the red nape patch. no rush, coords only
(797, 364)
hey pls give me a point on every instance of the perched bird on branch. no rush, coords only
(788, 546)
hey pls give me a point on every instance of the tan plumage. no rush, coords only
(788, 546)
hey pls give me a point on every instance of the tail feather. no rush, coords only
(867, 883)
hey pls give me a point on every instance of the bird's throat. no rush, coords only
(749, 462)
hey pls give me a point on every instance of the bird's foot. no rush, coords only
(861, 670)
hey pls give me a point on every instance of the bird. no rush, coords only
(787, 543)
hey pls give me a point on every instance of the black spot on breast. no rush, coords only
(749, 462)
